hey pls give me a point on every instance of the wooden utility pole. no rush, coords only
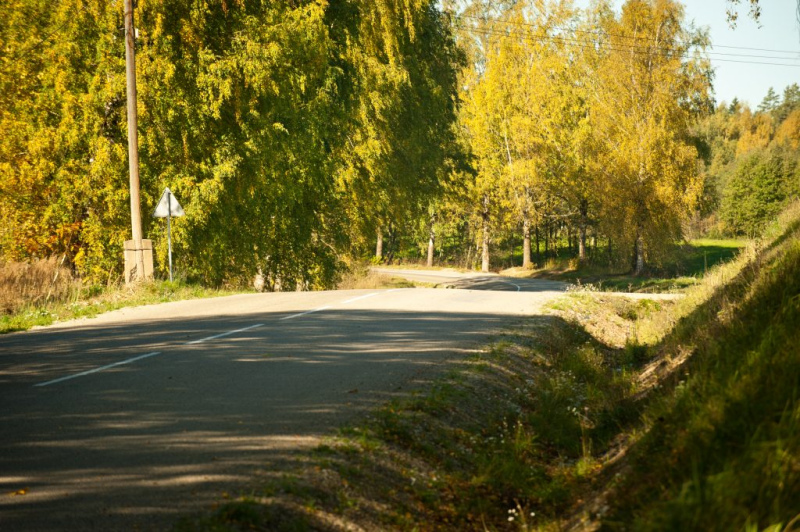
(133, 140)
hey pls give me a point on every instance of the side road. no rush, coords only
(449, 278)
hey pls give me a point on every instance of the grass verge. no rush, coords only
(83, 302)
(44, 292)
(721, 449)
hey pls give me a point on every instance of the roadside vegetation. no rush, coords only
(609, 413)
(43, 292)
(360, 277)
(686, 267)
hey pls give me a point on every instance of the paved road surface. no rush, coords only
(474, 281)
(495, 282)
(125, 421)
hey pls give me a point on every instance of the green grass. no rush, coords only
(722, 449)
(701, 254)
(684, 269)
(92, 301)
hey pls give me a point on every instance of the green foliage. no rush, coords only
(757, 190)
(284, 128)
(751, 163)
(790, 102)
(722, 454)
(770, 101)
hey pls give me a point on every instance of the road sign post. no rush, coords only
(168, 207)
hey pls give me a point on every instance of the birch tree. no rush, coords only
(652, 80)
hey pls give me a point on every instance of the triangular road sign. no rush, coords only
(168, 206)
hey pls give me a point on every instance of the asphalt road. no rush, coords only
(474, 281)
(131, 419)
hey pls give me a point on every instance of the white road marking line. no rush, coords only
(95, 370)
(373, 294)
(200, 341)
(194, 342)
(326, 307)
(140, 357)
(320, 309)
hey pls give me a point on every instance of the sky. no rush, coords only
(779, 30)
(748, 82)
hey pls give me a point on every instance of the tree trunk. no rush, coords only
(392, 247)
(639, 253)
(526, 243)
(379, 246)
(485, 238)
(485, 247)
(538, 253)
(546, 241)
(468, 260)
(431, 245)
(584, 208)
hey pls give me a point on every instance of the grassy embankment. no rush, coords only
(610, 413)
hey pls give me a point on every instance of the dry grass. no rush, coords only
(361, 278)
(34, 283)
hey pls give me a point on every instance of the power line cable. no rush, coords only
(640, 50)
(649, 47)
(632, 37)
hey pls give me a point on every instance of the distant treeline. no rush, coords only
(752, 163)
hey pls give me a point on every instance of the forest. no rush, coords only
(302, 137)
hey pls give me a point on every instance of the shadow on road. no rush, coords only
(506, 284)
(136, 445)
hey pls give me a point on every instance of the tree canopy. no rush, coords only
(285, 128)
(297, 133)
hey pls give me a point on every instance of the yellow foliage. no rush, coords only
(755, 132)
(788, 133)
